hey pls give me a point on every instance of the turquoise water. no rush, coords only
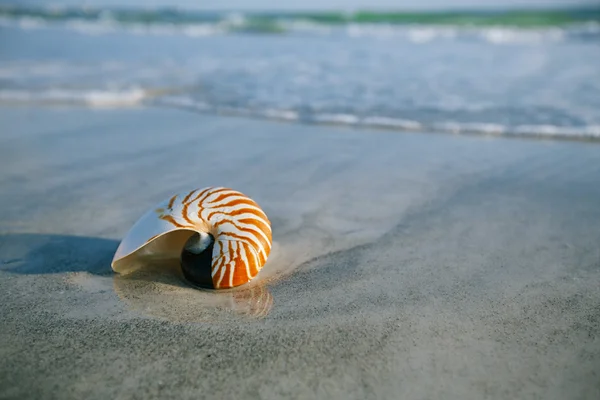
(513, 73)
(278, 22)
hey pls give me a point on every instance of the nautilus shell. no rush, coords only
(222, 237)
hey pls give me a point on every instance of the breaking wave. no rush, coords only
(136, 96)
(493, 27)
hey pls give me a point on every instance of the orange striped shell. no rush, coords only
(241, 231)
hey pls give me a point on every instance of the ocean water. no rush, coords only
(521, 73)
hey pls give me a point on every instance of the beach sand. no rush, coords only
(405, 266)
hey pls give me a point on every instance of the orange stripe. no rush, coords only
(231, 253)
(216, 266)
(245, 265)
(236, 279)
(236, 212)
(206, 192)
(258, 240)
(256, 211)
(265, 244)
(201, 194)
(225, 221)
(170, 219)
(215, 278)
(261, 257)
(240, 201)
(212, 191)
(186, 198)
(224, 196)
(235, 236)
(239, 274)
(232, 262)
(261, 225)
(208, 218)
(172, 201)
(250, 254)
(184, 213)
(228, 268)
(218, 278)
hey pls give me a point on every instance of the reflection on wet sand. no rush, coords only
(154, 285)
(160, 290)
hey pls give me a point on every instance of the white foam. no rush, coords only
(91, 98)
(502, 35)
(386, 122)
(589, 131)
(108, 98)
(108, 26)
(201, 30)
(92, 28)
(493, 35)
(344, 119)
(309, 27)
(424, 35)
(31, 23)
(287, 115)
(368, 30)
(414, 33)
(136, 96)
(467, 127)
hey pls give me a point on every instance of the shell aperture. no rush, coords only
(196, 261)
(213, 224)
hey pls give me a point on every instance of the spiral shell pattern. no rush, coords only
(241, 231)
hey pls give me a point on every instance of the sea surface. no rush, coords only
(518, 73)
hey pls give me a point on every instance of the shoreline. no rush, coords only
(392, 125)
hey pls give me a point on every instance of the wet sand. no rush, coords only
(413, 266)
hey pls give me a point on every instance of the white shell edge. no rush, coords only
(145, 231)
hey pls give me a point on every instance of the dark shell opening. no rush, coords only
(196, 267)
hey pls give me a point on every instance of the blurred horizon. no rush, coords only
(316, 5)
(286, 21)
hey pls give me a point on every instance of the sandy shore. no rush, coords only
(412, 266)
